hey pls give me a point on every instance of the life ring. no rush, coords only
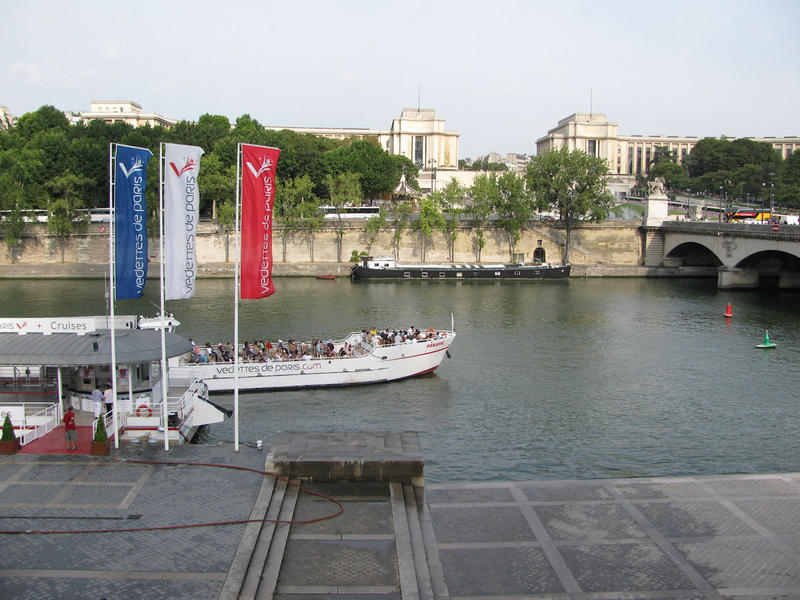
(141, 408)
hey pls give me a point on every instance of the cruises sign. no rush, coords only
(77, 325)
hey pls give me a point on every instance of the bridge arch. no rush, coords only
(694, 254)
(770, 260)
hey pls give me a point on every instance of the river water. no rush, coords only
(573, 379)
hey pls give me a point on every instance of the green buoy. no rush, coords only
(767, 343)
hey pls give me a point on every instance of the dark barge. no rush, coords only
(384, 267)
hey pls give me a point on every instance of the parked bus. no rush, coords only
(743, 215)
(350, 212)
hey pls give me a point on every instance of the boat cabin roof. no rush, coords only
(71, 350)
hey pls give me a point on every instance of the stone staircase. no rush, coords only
(654, 248)
(383, 545)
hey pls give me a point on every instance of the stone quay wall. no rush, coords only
(612, 243)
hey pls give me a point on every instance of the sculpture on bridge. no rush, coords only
(656, 188)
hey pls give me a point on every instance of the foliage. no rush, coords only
(100, 433)
(8, 430)
(430, 219)
(514, 207)
(402, 217)
(483, 195)
(572, 183)
(482, 164)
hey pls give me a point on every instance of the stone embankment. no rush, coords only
(226, 270)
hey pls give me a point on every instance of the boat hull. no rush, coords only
(462, 272)
(381, 364)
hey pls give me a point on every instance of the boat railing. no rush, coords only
(33, 419)
(179, 403)
(108, 421)
(355, 339)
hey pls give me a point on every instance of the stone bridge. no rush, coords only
(745, 255)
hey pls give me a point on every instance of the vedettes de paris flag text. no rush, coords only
(181, 210)
(258, 200)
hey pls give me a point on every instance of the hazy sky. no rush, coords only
(501, 73)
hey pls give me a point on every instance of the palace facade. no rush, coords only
(628, 155)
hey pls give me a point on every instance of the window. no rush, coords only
(419, 146)
(591, 148)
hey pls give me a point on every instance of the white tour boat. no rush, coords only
(357, 359)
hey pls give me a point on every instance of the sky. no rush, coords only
(500, 73)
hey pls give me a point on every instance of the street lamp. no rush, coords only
(772, 197)
(432, 165)
(719, 215)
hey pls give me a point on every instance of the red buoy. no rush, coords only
(728, 313)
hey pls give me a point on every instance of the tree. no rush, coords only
(226, 215)
(574, 184)
(402, 216)
(63, 217)
(217, 183)
(344, 190)
(298, 208)
(484, 195)
(379, 171)
(374, 226)
(430, 219)
(787, 183)
(454, 197)
(514, 207)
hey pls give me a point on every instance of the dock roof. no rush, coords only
(70, 350)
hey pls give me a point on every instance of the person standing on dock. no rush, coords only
(70, 429)
(108, 398)
(97, 401)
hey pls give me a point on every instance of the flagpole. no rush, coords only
(112, 288)
(236, 309)
(164, 381)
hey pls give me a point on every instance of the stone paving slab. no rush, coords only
(716, 537)
(690, 537)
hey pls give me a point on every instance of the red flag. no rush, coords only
(258, 200)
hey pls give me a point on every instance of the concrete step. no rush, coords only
(254, 570)
(654, 249)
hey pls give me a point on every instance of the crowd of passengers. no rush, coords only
(265, 351)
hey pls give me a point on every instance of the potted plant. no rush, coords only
(100, 445)
(9, 443)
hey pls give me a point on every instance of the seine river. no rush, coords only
(574, 379)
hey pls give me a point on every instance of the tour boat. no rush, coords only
(356, 359)
(384, 267)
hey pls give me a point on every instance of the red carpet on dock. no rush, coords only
(55, 442)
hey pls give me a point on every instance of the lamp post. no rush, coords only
(772, 197)
(719, 214)
(432, 166)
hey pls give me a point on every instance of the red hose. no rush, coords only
(212, 524)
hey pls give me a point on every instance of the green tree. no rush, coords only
(402, 217)
(226, 217)
(787, 181)
(379, 172)
(574, 184)
(454, 197)
(374, 225)
(483, 195)
(430, 219)
(344, 190)
(298, 208)
(63, 215)
(514, 207)
(217, 183)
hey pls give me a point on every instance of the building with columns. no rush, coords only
(628, 155)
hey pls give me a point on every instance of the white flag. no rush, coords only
(181, 217)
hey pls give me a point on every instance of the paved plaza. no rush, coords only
(729, 537)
